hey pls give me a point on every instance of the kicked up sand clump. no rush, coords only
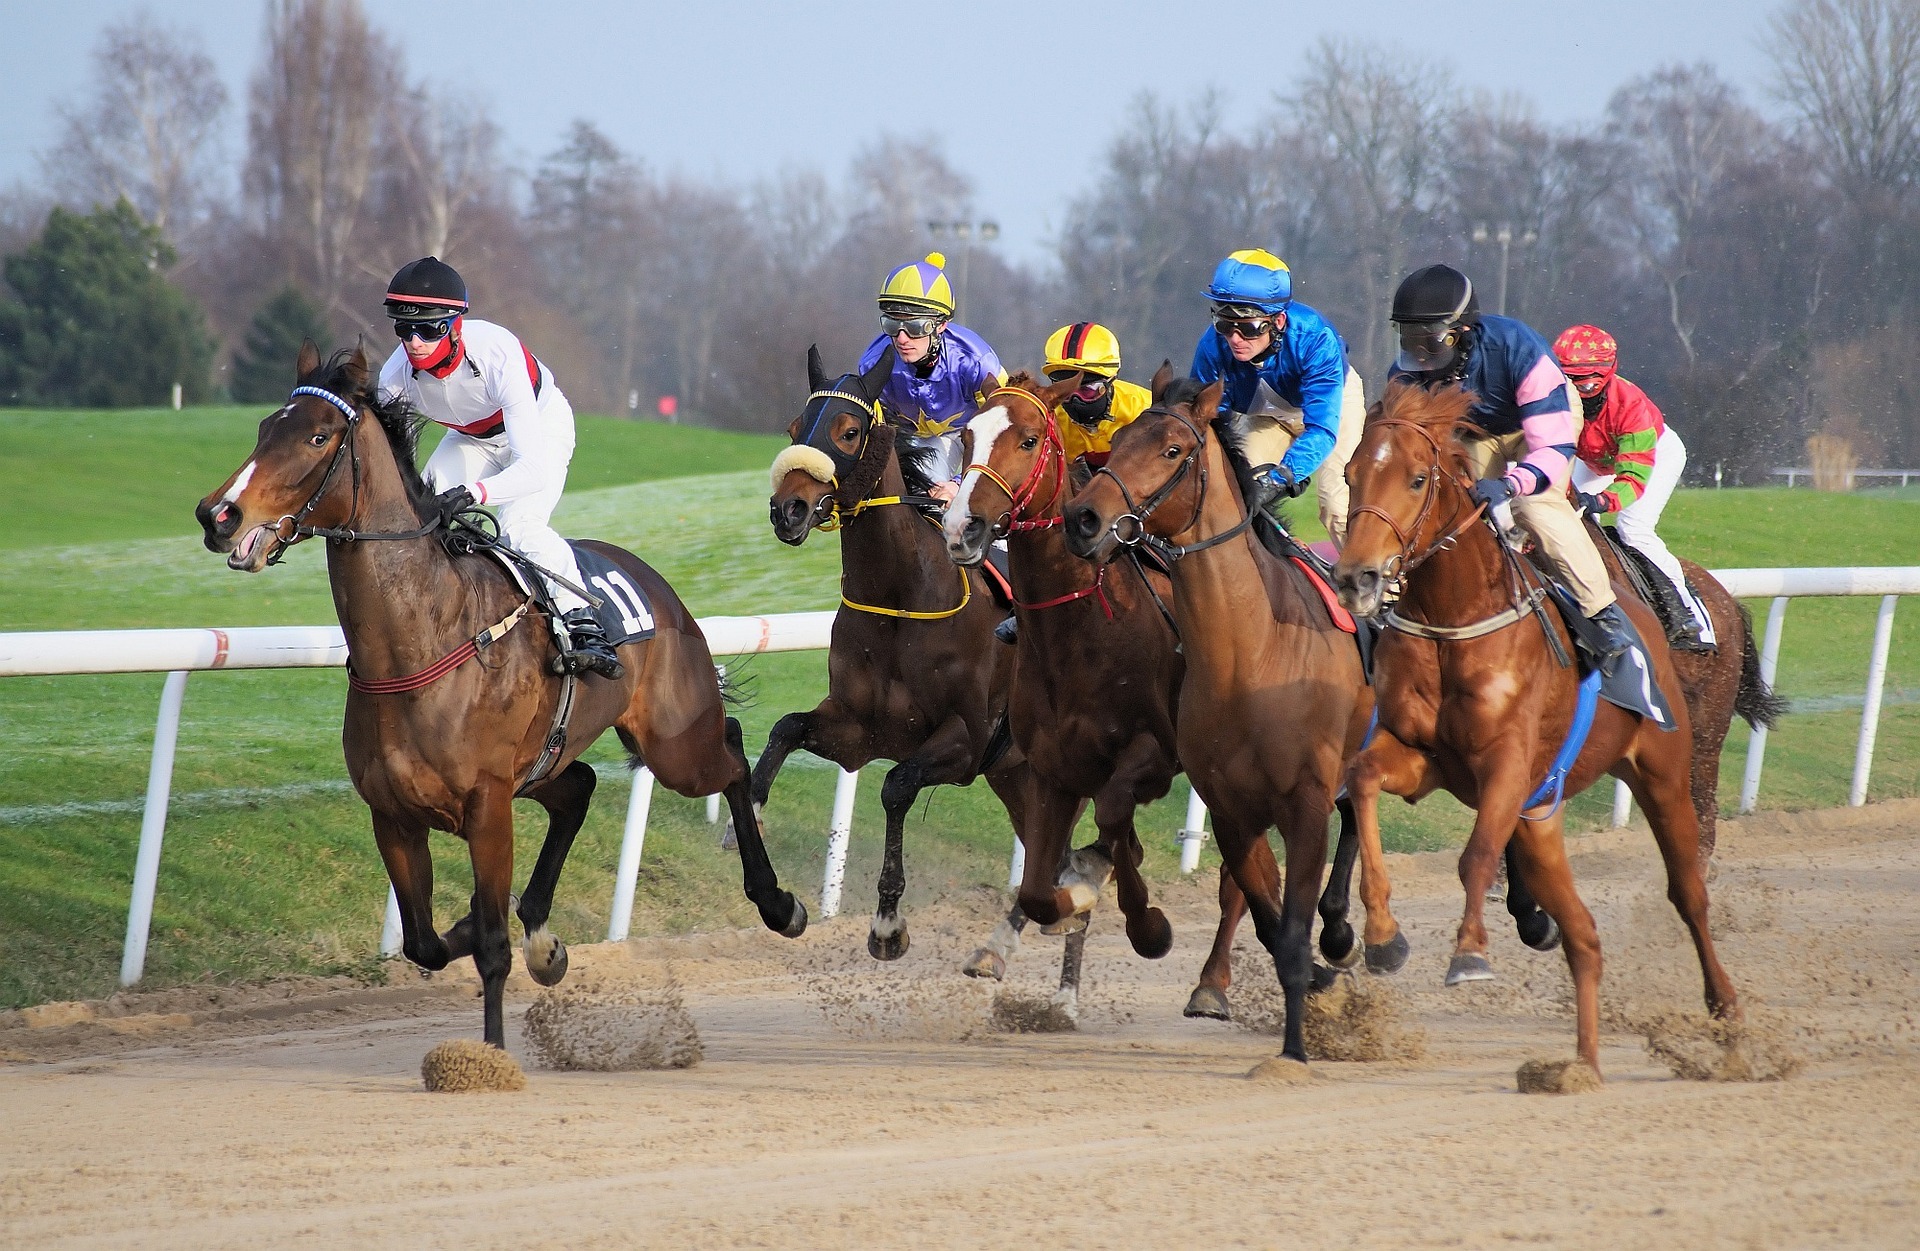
(1701, 1049)
(612, 1029)
(1350, 1020)
(465, 1065)
(1557, 1077)
(1018, 1012)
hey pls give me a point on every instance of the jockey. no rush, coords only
(509, 431)
(1089, 418)
(1259, 335)
(1630, 460)
(941, 371)
(1525, 406)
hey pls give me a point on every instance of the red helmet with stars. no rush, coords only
(1589, 357)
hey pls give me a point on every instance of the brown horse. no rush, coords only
(1474, 699)
(451, 752)
(914, 674)
(1273, 700)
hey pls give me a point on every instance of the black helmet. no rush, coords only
(1428, 308)
(426, 288)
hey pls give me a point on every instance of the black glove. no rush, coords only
(455, 500)
(1593, 506)
(1491, 491)
(1284, 483)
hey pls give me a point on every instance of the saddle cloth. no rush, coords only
(1630, 685)
(623, 612)
(1316, 568)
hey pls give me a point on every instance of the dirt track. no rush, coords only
(841, 1103)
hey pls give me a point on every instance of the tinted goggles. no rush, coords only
(425, 331)
(914, 327)
(1425, 345)
(1092, 386)
(1247, 328)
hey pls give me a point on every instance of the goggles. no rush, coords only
(1246, 328)
(1425, 345)
(425, 331)
(913, 327)
(1588, 384)
(1091, 388)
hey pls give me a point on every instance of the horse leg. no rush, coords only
(1113, 810)
(1536, 929)
(488, 829)
(1493, 826)
(1209, 998)
(1303, 826)
(1658, 781)
(1337, 942)
(403, 847)
(788, 733)
(779, 910)
(565, 796)
(1247, 855)
(946, 756)
(1051, 814)
(1541, 861)
(990, 958)
(1391, 766)
(1067, 999)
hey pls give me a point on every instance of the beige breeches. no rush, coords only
(1268, 439)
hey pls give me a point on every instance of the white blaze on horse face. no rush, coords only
(986, 428)
(239, 483)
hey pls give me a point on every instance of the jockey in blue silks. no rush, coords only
(1285, 369)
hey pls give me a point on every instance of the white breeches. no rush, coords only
(1635, 523)
(1267, 441)
(523, 521)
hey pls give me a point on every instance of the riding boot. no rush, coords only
(1616, 636)
(1008, 631)
(592, 650)
(1676, 615)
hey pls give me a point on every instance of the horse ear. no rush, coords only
(354, 368)
(875, 380)
(816, 370)
(1162, 379)
(1054, 392)
(1208, 403)
(309, 360)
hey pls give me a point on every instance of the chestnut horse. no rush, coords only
(1477, 701)
(914, 674)
(1273, 701)
(452, 751)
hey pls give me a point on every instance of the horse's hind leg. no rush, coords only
(779, 910)
(990, 958)
(565, 796)
(403, 847)
(1209, 998)
(947, 756)
(1541, 858)
(1658, 786)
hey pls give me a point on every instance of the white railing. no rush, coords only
(179, 652)
(1792, 472)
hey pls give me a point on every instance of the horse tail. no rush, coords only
(1755, 701)
(736, 686)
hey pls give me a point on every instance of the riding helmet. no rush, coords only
(919, 288)
(1437, 293)
(1252, 278)
(1086, 346)
(424, 289)
(1589, 356)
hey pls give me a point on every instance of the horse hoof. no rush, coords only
(554, 970)
(1070, 924)
(788, 922)
(1469, 967)
(985, 963)
(1339, 946)
(888, 946)
(729, 838)
(1207, 1002)
(1390, 956)
(1152, 937)
(1538, 931)
(1323, 979)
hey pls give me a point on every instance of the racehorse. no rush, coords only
(451, 710)
(1274, 699)
(1475, 698)
(914, 674)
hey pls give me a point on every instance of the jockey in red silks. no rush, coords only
(509, 433)
(1630, 461)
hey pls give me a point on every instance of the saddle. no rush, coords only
(1279, 541)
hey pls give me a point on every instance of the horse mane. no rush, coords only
(397, 418)
(1443, 412)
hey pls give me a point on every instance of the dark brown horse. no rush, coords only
(914, 674)
(1482, 707)
(452, 752)
(1274, 699)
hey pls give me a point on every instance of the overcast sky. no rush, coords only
(1023, 97)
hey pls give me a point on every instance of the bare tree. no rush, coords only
(1851, 69)
(441, 161)
(149, 131)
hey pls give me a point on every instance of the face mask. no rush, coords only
(1590, 405)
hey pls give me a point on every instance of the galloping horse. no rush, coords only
(451, 710)
(1475, 699)
(1274, 699)
(914, 674)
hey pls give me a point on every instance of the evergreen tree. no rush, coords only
(263, 369)
(97, 323)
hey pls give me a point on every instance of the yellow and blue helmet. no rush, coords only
(1086, 346)
(1253, 278)
(921, 287)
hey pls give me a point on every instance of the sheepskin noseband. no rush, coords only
(811, 461)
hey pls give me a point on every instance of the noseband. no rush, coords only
(1053, 455)
(1136, 535)
(1406, 560)
(292, 527)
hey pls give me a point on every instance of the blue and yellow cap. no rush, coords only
(921, 285)
(1254, 277)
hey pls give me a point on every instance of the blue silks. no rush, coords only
(1554, 785)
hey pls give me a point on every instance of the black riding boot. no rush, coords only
(592, 650)
(1683, 631)
(1616, 636)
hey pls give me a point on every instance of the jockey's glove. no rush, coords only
(1592, 505)
(1491, 491)
(454, 500)
(1285, 485)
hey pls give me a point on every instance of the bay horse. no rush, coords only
(1473, 697)
(1273, 700)
(914, 674)
(452, 751)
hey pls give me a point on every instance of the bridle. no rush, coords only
(1135, 532)
(1402, 563)
(829, 514)
(1019, 516)
(292, 528)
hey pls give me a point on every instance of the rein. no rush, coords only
(1019, 517)
(1137, 514)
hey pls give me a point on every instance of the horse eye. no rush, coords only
(320, 440)
(1420, 483)
(1172, 453)
(1027, 446)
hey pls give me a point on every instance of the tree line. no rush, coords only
(1758, 269)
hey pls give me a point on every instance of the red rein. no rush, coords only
(1053, 455)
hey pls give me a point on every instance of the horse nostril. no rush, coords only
(1081, 521)
(974, 530)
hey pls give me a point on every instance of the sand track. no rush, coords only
(841, 1101)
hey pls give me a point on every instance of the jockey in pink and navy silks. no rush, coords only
(509, 434)
(1531, 420)
(942, 372)
(1261, 335)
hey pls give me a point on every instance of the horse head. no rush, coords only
(1016, 468)
(1155, 459)
(304, 470)
(1406, 481)
(839, 448)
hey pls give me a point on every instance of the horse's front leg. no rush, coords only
(565, 796)
(1391, 766)
(1303, 828)
(946, 757)
(1502, 792)
(990, 958)
(409, 860)
(1138, 772)
(488, 828)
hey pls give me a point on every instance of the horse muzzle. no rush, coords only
(968, 547)
(793, 518)
(1361, 588)
(220, 521)
(1087, 533)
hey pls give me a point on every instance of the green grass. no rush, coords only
(259, 879)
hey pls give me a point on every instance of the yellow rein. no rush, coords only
(966, 583)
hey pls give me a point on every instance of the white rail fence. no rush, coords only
(180, 652)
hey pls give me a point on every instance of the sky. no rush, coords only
(1023, 97)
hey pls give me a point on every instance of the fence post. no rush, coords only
(390, 933)
(839, 831)
(626, 879)
(1870, 714)
(1622, 804)
(1757, 745)
(153, 828)
(1016, 864)
(1194, 832)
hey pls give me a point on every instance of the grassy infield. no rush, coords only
(269, 865)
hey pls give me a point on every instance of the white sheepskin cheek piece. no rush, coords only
(811, 461)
